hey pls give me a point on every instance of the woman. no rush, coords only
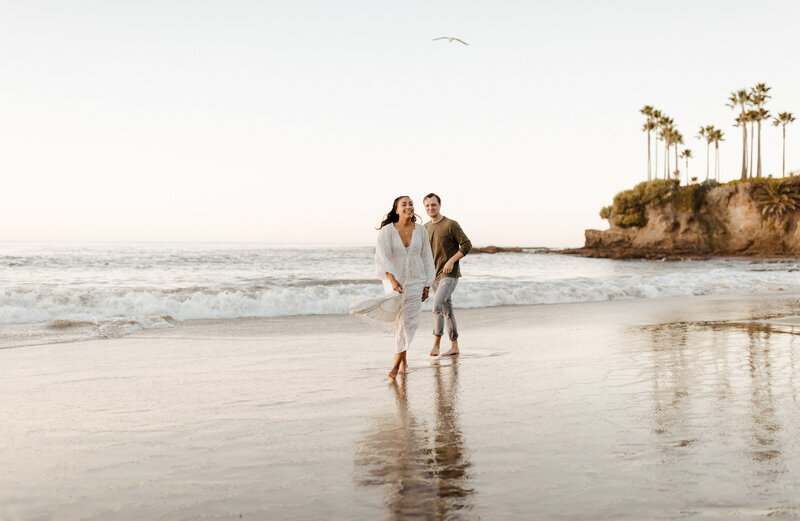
(404, 261)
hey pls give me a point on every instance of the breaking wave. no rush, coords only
(62, 306)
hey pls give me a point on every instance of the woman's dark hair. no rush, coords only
(393, 216)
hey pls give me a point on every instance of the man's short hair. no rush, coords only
(438, 199)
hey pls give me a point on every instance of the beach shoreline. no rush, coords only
(626, 409)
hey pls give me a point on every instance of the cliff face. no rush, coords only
(727, 221)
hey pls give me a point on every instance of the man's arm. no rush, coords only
(464, 246)
(451, 262)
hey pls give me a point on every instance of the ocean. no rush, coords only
(66, 291)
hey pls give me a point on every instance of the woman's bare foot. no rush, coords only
(403, 367)
(399, 359)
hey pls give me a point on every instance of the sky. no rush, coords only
(301, 121)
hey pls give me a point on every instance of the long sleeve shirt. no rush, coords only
(447, 238)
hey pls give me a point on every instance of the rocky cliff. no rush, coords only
(758, 218)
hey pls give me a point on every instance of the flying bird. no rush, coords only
(450, 39)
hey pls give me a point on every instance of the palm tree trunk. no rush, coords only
(687, 170)
(708, 154)
(750, 175)
(677, 165)
(759, 148)
(648, 155)
(783, 168)
(744, 146)
(716, 160)
(655, 161)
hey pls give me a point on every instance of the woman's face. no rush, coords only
(405, 207)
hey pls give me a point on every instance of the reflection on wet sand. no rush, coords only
(765, 424)
(423, 472)
(700, 383)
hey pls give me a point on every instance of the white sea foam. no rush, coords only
(112, 290)
(43, 303)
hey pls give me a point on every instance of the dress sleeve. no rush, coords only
(383, 253)
(427, 256)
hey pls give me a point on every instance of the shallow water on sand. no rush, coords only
(674, 409)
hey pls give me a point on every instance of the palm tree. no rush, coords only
(677, 139)
(705, 133)
(716, 137)
(687, 154)
(665, 123)
(759, 116)
(666, 136)
(648, 126)
(783, 119)
(656, 127)
(740, 99)
(741, 121)
(759, 96)
(750, 117)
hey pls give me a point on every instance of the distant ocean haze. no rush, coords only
(87, 290)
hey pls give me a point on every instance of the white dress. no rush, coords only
(413, 268)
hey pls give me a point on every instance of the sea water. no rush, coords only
(67, 291)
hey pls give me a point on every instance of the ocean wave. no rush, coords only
(488, 294)
(62, 305)
(61, 331)
(65, 307)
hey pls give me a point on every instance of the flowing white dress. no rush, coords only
(413, 268)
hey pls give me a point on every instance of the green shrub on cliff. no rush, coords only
(689, 198)
(777, 199)
(629, 205)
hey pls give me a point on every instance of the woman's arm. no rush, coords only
(384, 267)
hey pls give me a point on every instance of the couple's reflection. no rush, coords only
(423, 473)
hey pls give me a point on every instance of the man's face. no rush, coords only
(432, 207)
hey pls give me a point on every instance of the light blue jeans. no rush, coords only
(443, 307)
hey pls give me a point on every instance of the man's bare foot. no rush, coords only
(435, 351)
(453, 349)
(436, 344)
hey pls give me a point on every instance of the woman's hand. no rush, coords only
(396, 286)
(425, 292)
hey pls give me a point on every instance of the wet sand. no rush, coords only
(660, 409)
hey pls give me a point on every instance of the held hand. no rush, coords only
(448, 266)
(425, 294)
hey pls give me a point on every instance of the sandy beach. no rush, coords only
(682, 408)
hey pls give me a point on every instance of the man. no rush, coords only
(449, 244)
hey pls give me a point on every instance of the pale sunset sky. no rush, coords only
(300, 121)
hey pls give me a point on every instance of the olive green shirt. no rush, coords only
(447, 238)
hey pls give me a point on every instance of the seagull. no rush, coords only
(450, 39)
